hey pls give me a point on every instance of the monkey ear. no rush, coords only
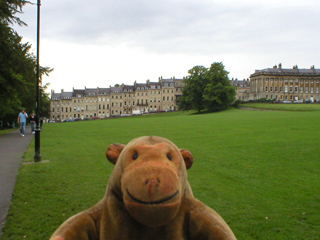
(187, 156)
(114, 151)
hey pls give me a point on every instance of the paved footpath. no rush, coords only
(12, 148)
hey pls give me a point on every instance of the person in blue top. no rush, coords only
(22, 119)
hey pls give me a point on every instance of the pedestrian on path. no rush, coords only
(22, 119)
(32, 122)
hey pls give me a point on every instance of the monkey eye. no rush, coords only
(135, 156)
(169, 156)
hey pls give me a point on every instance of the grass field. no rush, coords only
(258, 169)
(284, 107)
(6, 131)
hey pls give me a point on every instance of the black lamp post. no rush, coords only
(37, 156)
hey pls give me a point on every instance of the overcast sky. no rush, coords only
(98, 43)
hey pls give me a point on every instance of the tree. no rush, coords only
(17, 65)
(219, 94)
(207, 89)
(8, 9)
(192, 93)
(45, 102)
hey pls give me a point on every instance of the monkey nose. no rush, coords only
(152, 181)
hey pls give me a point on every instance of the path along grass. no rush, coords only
(258, 169)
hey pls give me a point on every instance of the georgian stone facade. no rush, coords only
(147, 97)
(284, 84)
(242, 89)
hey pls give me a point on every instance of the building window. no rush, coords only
(266, 89)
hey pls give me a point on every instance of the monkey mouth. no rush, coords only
(154, 202)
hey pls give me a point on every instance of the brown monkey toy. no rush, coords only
(148, 197)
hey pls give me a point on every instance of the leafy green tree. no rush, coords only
(44, 102)
(17, 64)
(219, 94)
(192, 93)
(207, 89)
(8, 9)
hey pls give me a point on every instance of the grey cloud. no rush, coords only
(176, 26)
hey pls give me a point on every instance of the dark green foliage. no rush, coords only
(17, 65)
(192, 95)
(8, 9)
(207, 89)
(218, 94)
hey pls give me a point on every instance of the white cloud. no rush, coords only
(100, 43)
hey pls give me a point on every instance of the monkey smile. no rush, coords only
(155, 202)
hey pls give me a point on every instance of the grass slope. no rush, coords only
(283, 107)
(258, 169)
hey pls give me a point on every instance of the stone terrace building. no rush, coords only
(155, 92)
(168, 94)
(116, 101)
(61, 105)
(284, 84)
(275, 83)
(242, 89)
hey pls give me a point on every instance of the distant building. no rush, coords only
(282, 84)
(275, 83)
(147, 97)
(242, 89)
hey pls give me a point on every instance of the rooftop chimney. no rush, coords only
(280, 65)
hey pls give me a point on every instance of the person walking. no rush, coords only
(32, 122)
(22, 119)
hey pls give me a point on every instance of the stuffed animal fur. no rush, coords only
(148, 197)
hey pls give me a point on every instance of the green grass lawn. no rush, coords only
(258, 169)
(283, 106)
(6, 131)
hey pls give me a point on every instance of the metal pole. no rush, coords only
(37, 156)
